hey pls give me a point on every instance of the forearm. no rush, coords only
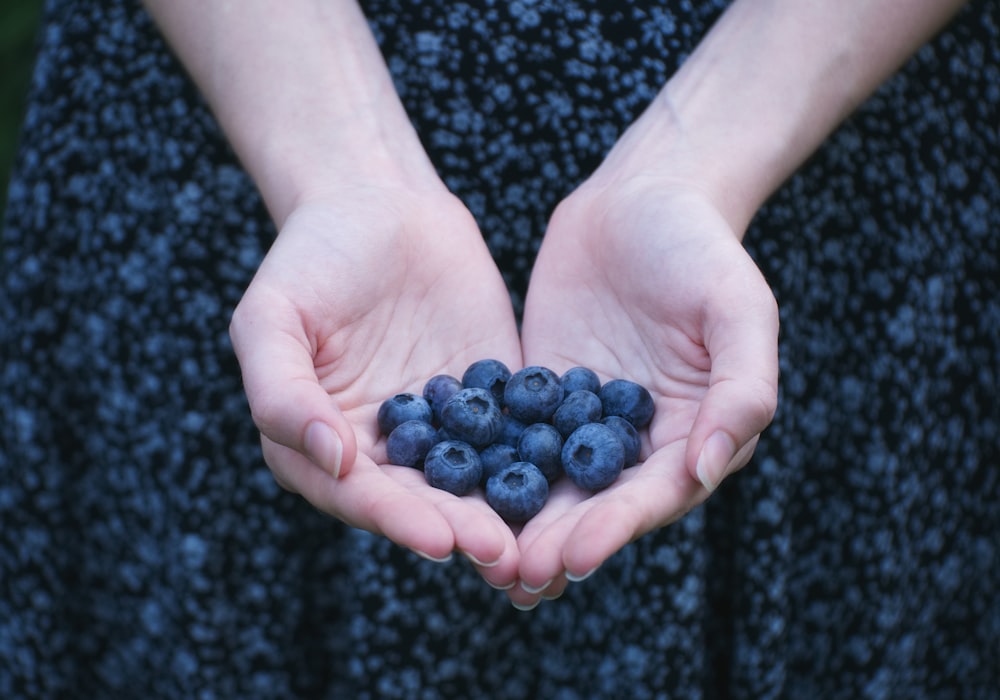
(300, 89)
(769, 83)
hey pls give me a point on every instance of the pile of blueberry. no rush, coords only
(516, 433)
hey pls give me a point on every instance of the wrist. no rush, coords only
(375, 148)
(662, 153)
(324, 123)
(763, 90)
(301, 91)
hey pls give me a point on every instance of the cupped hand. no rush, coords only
(367, 292)
(644, 279)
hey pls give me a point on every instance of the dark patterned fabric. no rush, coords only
(146, 551)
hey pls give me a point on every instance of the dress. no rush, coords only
(147, 552)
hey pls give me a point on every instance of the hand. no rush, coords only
(365, 293)
(644, 279)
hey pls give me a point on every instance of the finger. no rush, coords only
(742, 396)
(479, 533)
(524, 597)
(555, 589)
(287, 402)
(366, 498)
(646, 498)
(501, 574)
(544, 535)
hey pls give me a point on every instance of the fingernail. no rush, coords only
(437, 560)
(715, 456)
(501, 586)
(484, 564)
(576, 578)
(324, 447)
(532, 590)
(525, 607)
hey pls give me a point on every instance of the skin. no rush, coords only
(641, 273)
(379, 279)
(353, 336)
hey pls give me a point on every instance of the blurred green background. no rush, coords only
(18, 27)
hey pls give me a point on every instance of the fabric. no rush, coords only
(147, 552)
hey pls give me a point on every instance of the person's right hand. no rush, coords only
(367, 292)
(378, 278)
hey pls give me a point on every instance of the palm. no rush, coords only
(653, 286)
(375, 294)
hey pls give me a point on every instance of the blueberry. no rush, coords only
(541, 444)
(400, 408)
(512, 429)
(580, 379)
(438, 390)
(453, 466)
(518, 492)
(496, 457)
(580, 407)
(631, 401)
(491, 375)
(533, 394)
(473, 416)
(628, 435)
(410, 442)
(593, 456)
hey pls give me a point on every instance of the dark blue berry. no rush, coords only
(512, 429)
(593, 456)
(516, 433)
(496, 457)
(631, 401)
(533, 394)
(438, 390)
(541, 444)
(453, 466)
(580, 379)
(400, 408)
(409, 443)
(628, 435)
(473, 416)
(518, 492)
(578, 408)
(491, 375)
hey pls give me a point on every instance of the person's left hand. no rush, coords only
(644, 280)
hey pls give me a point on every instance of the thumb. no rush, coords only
(742, 396)
(287, 402)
